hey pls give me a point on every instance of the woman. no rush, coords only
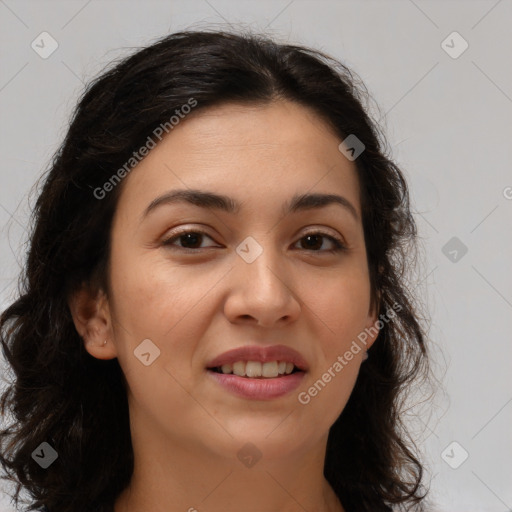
(212, 315)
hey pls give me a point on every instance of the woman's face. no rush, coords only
(243, 278)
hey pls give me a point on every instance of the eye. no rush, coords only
(312, 242)
(189, 239)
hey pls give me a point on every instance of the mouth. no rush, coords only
(257, 369)
(259, 373)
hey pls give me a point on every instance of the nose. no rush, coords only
(262, 292)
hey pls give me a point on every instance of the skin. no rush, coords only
(186, 430)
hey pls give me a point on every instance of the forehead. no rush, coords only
(248, 151)
(260, 129)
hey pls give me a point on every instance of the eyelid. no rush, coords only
(337, 240)
(323, 231)
(183, 231)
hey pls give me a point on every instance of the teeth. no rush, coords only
(227, 368)
(254, 369)
(270, 369)
(239, 369)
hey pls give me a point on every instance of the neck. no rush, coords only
(189, 477)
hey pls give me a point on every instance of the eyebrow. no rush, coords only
(211, 200)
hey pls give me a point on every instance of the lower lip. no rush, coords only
(259, 389)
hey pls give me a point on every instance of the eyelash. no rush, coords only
(339, 246)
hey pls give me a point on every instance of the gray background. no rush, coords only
(448, 123)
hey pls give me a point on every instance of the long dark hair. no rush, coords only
(61, 395)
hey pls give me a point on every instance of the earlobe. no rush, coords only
(91, 317)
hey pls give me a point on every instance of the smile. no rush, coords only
(256, 369)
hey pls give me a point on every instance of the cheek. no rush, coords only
(157, 295)
(170, 305)
(165, 304)
(327, 392)
(158, 395)
(342, 305)
(340, 308)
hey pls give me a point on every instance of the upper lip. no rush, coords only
(261, 354)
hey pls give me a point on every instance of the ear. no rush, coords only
(372, 327)
(92, 319)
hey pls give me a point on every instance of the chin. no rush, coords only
(265, 442)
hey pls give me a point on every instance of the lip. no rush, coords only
(258, 389)
(260, 354)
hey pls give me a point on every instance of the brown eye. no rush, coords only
(314, 242)
(190, 239)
